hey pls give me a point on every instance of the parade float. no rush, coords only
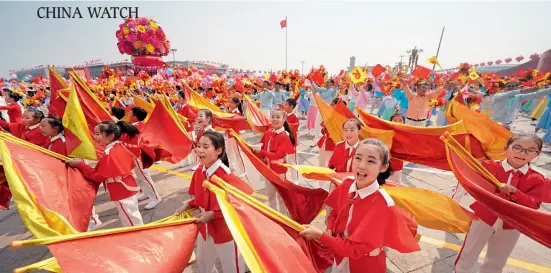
(144, 40)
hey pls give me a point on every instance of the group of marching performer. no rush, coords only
(362, 218)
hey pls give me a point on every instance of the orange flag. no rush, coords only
(57, 101)
(52, 198)
(423, 145)
(164, 137)
(256, 118)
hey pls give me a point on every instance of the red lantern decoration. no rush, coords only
(490, 63)
(498, 62)
(519, 58)
(534, 56)
(482, 64)
(475, 65)
(508, 60)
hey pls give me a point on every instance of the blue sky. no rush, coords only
(247, 34)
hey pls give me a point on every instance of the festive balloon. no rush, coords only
(490, 63)
(193, 69)
(169, 72)
(508, 60)
(130, 72)
(201, 72)
(13, 76)
(498, 61)
(519, 58)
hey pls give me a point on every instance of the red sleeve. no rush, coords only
(284, 146)
(332, 164)
(331, 219)
(535, 195)
(91, 173)
(9, 107)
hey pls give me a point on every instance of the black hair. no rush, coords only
(55, 122)
(178, 88)
(139, 113)
(385, 158)
(331, 81)
(355, 121)
(208, 114)
(182, 94)
(118, 112)
(238, 103)
(286, 126)
(336, 100)
(118, 128)
(36, 114)
(14, 96)
(218, 142)
(515, 137)
(397, 115)
(292, 102)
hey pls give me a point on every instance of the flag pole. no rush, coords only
(439, 43)
(286, 27)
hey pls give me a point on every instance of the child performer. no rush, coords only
(276, 145)
(204, 121)
(521, 185)
(28, 129)
(363, 219)
(292, 119)
(115, 169)
(130, 140)
(237, 164)
(185, 110)
(214, 240)
(341, 160)
(13, 107)
(52, 128)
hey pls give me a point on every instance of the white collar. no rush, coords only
(351, 146)
(136, 123)
(364, 192)
(289, 114)
(110, 146)
(33, 126)
(58, 136)
(280, 130)
(208, 128)
(507, 167)
(218, 164)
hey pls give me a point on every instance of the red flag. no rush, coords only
(535, 224)
(344, 110)
(293, 196)
(259, 121)
(93, 111)
(421, 72)
(57, 103)
(163, 138)
(164, 249)
(283, 23)
(423, 145)
(377, 70)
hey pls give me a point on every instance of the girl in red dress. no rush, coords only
(52, 128)
(115, 170)
(292, 119)
(276, 145)
(28, 129)
(522, 185)
(363, 219)
(214, 240)
(204, 121)
(237, 164)
(186, 111)
(14, 109)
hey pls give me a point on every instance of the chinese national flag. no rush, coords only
(421, 72)
(283, 23)
(377, 70)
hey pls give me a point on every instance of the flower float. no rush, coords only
(144, 40)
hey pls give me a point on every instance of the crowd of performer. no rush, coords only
(361, 216)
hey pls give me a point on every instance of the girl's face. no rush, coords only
(521, 151)
(181, 100)
(202, 119)
(9, 99)
(100, 138)
(288, 108)
(47, 129)
(131, 117)
(367, 164)
(233, 105)
(207, 154)
(351, 133)
(277, 119)
(29, 119)
(398, 119)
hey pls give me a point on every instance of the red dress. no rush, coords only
(57, 144)
(532, 189)
(293, 121)
(202, 131)
(341, 160)
(326, 139)
(375, 223)
(276, 145)
(31, 134)
(115, 169)
(14, 112)
(186, 111)
(206, 200)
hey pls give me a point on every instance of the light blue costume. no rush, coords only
(400, 95)
(506, 104)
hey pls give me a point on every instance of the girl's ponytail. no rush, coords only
(289, 132)
(128, 129)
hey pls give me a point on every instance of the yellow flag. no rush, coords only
(433, 60)
(75, 122)
(357, 74)
(473, 75)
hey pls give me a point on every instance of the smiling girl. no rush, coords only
(14, 109)
(521, 185)
(341, 160)
(28, 129)
(363, 218)
(276, 145)
(115, 170)
(52, 128)
(214, 240)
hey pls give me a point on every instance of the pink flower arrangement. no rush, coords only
(142, 36)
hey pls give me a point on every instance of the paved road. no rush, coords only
(439, 249)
